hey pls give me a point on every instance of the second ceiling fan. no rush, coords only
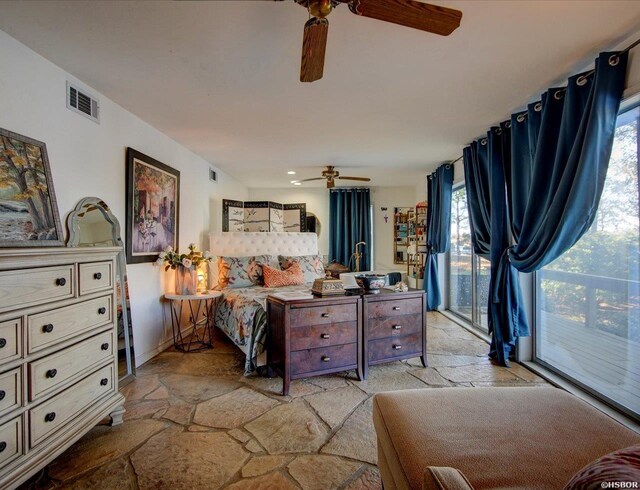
(330, 174)
(409, 13)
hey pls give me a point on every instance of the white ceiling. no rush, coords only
(221, 77)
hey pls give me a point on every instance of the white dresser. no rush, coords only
(58, 364)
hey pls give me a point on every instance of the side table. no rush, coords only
(192, 341)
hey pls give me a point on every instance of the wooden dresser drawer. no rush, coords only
(10, 391)
(323, 335)
(50, 327)
(95, 277)
(395, 307)
(389, 348)
(55, 412)
(321, 315)
(324, 358)
(46, 374)
(27, 287)
(10, 440)
(10, 340)
(395, 326)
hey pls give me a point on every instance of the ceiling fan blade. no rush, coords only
(314, 44)
(363, 179)
(309, 180)
(410, 13)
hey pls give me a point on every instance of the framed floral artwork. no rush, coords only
(153, 207)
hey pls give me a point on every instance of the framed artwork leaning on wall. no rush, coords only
(28, 209)
(153, 207)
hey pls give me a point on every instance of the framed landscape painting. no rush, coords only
(28, 210)
(153, 207)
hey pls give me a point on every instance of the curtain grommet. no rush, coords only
(614, 59)
(507, 124)
(537, 107)
(581, 81)
(521, 117)
(483, 141)
(558, 94)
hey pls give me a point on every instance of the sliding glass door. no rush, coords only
(587, 324)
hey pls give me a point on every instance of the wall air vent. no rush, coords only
(80, 101)
(213, 175)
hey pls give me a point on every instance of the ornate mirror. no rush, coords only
(92, 224)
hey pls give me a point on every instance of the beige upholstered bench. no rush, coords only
(528, 438)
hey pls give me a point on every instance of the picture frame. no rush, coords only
(28, 208)
(152, 207)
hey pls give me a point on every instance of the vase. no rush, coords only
(186, 280)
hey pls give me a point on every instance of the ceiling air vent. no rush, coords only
(213, 175)
(79, 100)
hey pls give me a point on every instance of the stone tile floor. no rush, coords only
(193, 421)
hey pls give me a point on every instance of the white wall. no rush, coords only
(88, 159)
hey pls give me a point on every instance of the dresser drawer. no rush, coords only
(95, 277)
(400, 347)
(27, 287)
(51, 327)
(46, 374)
(10, 391)
(395, 326)
(321, 315)
(10, 340)
(324, 358)
(10, 441)
(323, 335)
(382, 309)
(47, 417)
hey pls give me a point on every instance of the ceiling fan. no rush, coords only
(409, 13)
(330, 175)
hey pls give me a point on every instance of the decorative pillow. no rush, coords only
(622, 465)
(275, 278)
(242, 272)
(311, 265)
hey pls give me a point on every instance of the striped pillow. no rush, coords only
(609, 471)
(275, 278)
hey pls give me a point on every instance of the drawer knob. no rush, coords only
(48, 328)
(325, 315)
(50, 417)
(397, 347)
(51, 373)
(104, 381)
(61, 281)
(104, 346)
(397, 327)
(3, 342)
(396, 308)
(97, 276)
(324, 336)
(326, 358)
(2, 394)
(102, 310)
(3, 446)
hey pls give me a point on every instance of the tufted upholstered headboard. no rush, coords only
(243, 244)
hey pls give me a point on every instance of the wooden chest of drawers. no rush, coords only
(314, 336)
(58, 367)
(394, 327)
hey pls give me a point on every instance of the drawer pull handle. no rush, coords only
(396, 308)
(97, 276)
(325, 315)
(61, 281)
(3, 343)
(104, 381)
(50, 417)
(3, 446)
(397, 327)
(102, 310)
(397, 347)
(104, 346)
(326, 358)
(48, 328)
(2, 394)
(325, 336)
(51, 373)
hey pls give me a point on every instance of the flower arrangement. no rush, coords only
(173, 259)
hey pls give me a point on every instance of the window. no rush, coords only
(588, 300)
(468, 274)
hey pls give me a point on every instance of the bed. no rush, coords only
(241, 313)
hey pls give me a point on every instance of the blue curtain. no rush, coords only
(350, 223)
(545, 170)
(439, 186)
